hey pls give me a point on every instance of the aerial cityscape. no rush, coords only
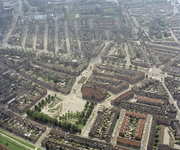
(89, 75)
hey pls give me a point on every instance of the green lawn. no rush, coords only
(114, 16)
(38, 149)
(82, 80)
(71, 15)
(51, 105)
(29, 145)
(81, 126)
(107, 95)
(109, 9)
(10, 144)
(58, 98)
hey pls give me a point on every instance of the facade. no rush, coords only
(150, 101)
(111, 84)
(124, 126)
(141, 107)
(130, 76)
(126, 96)
(139, 130)
(128, 142)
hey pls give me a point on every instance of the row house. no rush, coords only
(112, 85)
(130, 76)
(90, 142)
(141, 107)
(111, 125)
(150, 101)
(128, 142)
(126, 96)
(139, 129)
(96, 123)
(124, 125)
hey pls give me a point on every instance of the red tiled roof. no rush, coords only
(124, 125)
(139, 129)
(151, 100)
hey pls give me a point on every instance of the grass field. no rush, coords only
(51, 105)
(58, 98)
(109, 9)
(82, 80)
(28, 145)
(107, 95)
(70, 15)
(10, 144)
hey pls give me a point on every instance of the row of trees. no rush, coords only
(156, 140)
(43, 103)
(81, 117)
(85, 114)
(25, 8)
(48, 148)
(44, 118)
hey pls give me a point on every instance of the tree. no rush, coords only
(42, 102)
(36, 107)
(156, 135)
(47, 146)
(56, 80)
(98, 10)
(74, 128)
(59, 123)
(86, 105)
(60, 148)
(156, 140)
(165, 34)
(146, 76)
(79, 130)
(103, 128)
(80, 120)
(63, 124)
(52, 98)
(39, 109)
(84, 121)
(55, 122)
(28, 111)
(130, 66)
(39, 104)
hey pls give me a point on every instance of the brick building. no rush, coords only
(126, 96)
(93, 92)
(150, 101)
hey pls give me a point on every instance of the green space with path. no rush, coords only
(24, 143)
